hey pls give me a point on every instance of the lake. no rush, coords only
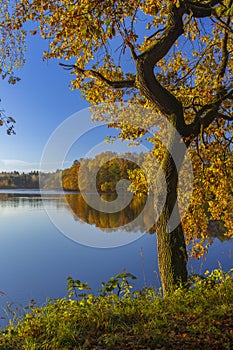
(36, 257)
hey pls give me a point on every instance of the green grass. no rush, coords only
(200, 317)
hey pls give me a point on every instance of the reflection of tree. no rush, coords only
(82, 211)
(110, 221)
(117, 220)
(20, 200)
(32, 200)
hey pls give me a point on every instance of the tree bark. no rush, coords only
(172, 255)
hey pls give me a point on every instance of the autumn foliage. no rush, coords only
(173, 56)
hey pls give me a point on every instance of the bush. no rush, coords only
(198, 317)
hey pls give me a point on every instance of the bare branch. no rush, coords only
(153, 35)
(132, 49)
(127, 41)
(119, 84)
(225, 25)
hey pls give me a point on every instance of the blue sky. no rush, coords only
(39, 103)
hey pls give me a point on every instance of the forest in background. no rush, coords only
(113, 168)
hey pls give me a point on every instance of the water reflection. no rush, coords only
(29, 200)
(8, 200)
(35, 258)
(81, 211)
(124, 219)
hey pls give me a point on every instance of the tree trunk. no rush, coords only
(172, 255)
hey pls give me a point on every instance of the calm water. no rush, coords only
(36, 258)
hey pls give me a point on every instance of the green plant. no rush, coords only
(120, 283)
(198, 317)
(73, 286)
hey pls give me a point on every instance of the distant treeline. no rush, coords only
(31, 180)
(102, 173)
(10, 180)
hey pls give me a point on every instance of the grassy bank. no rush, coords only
(200, 317)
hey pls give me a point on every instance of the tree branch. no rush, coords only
(119, 84)
(206, 115)
(171, 33)
(154, 34)
(222, 24)
(225, 117)
(225, 25)
(132, 49)
(225, 56)
(127, 41)
(191, 69)
(146, 61)
(200, 10)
